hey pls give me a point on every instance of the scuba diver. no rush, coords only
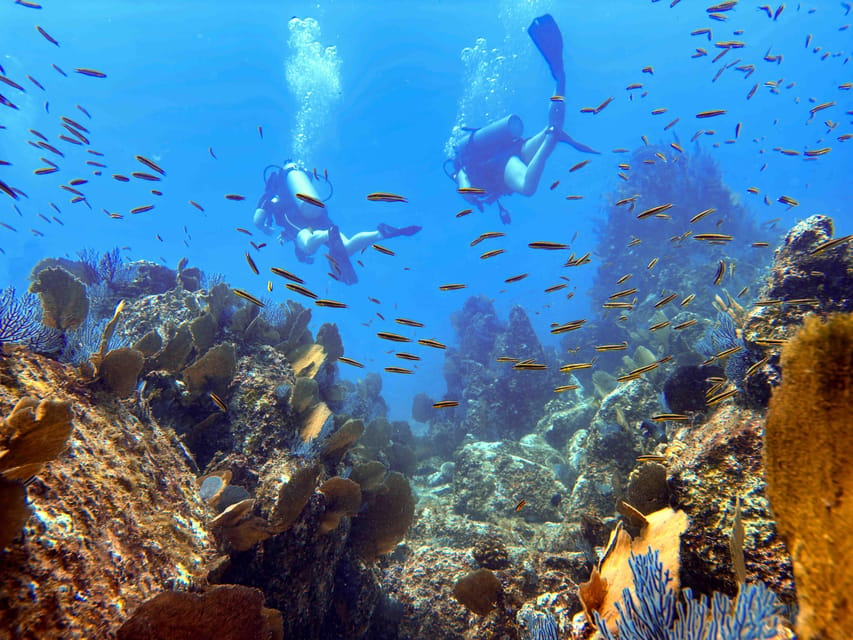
(495, 161)
(291, 202)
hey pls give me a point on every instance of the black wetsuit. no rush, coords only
(487, 171)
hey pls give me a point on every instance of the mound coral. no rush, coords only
(479, 591)
(227, 611)
(388, 513)
(809, 454)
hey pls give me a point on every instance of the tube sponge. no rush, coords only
(809, 456)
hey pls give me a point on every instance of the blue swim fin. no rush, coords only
(562, 136)
(547, 37)
(340, 258)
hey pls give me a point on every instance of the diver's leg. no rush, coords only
(360, 241)
(308, 241)
(524, 179)
(531, 146)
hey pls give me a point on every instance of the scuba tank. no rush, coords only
(484, 142)
(298, 181)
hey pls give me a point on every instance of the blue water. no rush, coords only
(185, 76)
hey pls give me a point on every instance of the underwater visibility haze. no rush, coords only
(521, 319)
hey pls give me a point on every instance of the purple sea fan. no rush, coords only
(20, 322)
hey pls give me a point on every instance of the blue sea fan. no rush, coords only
(650, 614)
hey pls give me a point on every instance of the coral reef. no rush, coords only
(116, 518)
(809, 452)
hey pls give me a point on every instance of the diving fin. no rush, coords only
(340, 258)
(547, 37)
(562, 136)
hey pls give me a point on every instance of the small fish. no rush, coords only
(665, 300)
(407, 356)
(684, 325)
(713, 237)
(242, 230)
(464, 212)
(702, 214)
(451, 287)
(296, 288)
(399, 370)
(600, 107)
(252, 264)
(60, 71)
(670, 417)
(547, 246)
(721, 272)
(393, 337)
(470, 190)
(212, 155)
(140, 175)
(687, 300)
(648, 70)
(830, 244)
(269, 286)
(652, 263)
(711, 113)
(382, 249)
(659, 325)
(247, 296)
(520, 505)
(486, 236)
(658, 111)
(492, 253)
(408, 323)
(716, 399)
(612, 347)
(654, 210)
(332, 304)
(142, 209)
(445, 404)
(218, 402)
(151, 165)
(566, 368)
(755, 368)
(529, 366)
(234, 196)
(36, 82)
(382, 196)
(650, 457)
(518, 278)
(579, 165)
(435, 344)
(45, 170)
(555, 184)
(566, 387)
(556, 287)
(351, 362)
(261, 132)
(92, 73)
